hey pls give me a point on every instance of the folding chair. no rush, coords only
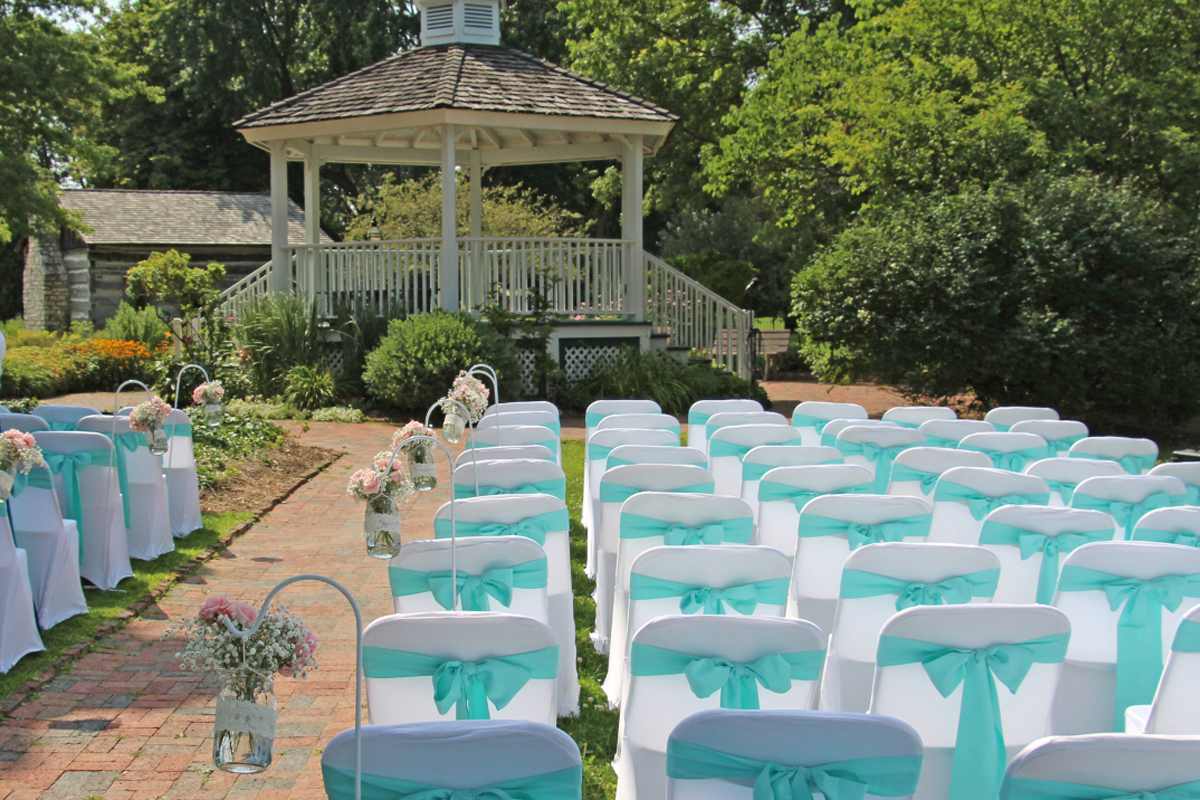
(513, 476)
(975, 717)
(495, 573)
(784, 491)
(916, 470)
(625, 454)
(761, 460)
(1004, 417)
(830, 529)
(811, 416)
(485, 438)
(730, 444)
(701, 410)
(1136, 456)
(63, 418)
(880, 579)
(552, 421)
(829, 433)
(1125, 600)
(1176, 705)
(26, 423)
(913, 416)
(1179, 525)
(949, 432)
(1010, 451)
(1186, 471)
(506, 452)
(1059, 434)
(183, 481)
(1127, 498)
(726, 754)
(725, 418)
(963, 496)
(18, 621)
(679, 665)
(1062, 475)
(876, 448)
(596, 411)
(490, 665)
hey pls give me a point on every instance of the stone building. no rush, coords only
(81, 276)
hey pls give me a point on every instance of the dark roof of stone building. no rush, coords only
(123, 216)
(461, 76)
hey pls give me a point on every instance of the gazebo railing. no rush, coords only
(398, 273)
(580, 276)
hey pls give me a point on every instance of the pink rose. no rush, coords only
(216, 606)
(198, 395)
(370, 482)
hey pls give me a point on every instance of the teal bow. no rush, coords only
(465, 685)
(719, 448)
(678, 534)
(858, 534)
(1063, 443)
(806, 421)
(737, 530)
(473, 590)
(884, 776)
(938, 441)
(56, 425)
(1036, 789)
(1013, 461)
(881, 457)
(902, 473)
(562, 785)
(121, 443)
(954, 590)
(1134, 465)
(1139, 629)
(1126, 514)
(770, 491)
(183, 429)
(707, 599)
(1065, 489)
(981, 504)
(69, 465)
(979, 755)
(556, 487)
(737, 682)
(535, 527)
(1185, 538)
(619, 493)
(753, 471)
(38, 478)
(1031, 543)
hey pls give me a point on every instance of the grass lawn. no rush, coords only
(104, 606)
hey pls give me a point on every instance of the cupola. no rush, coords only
(459, 22)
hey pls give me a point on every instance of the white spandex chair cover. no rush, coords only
(875, 448)
(761, 460)
(63, 418)
(1087, 701)
(1010, 451)
(656, 703)
(447, 636)
(949, 432)
(483, 439)
(1176, 706)
(521, 405)
(506, 452)
(701, 410)
(596, 411)
(537, 516)
(1137, 456)
(520, 476)
(783, 491)
(723, 418)
(625, 454)
(914, 416)
(148, 529)
(729, 444)
(829, 433)
(18, 621)
(1179, 525)
(823, 542)
(475, 556)
(706, 571)
(26, 423)
(810, 417)
(618, 485)
(904, 690)
(1062, 475)
(916, 470)
(512, 416)
(1031, 541)
(1103, 765)
(645, 420)
(450, 757)
(183, 482)
(963, 496)
(1129, 497)
(927, 572)
(1059, 434)
(808, 739)
(1186, 471)
(1004, 417)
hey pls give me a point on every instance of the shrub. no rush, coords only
(337, 414)
(238, 437)
(131, 325)
(1069, 294)
(39, 372)
(105, 363)
(310, 387)
(361, 328)
(419, 358)
(274, 335)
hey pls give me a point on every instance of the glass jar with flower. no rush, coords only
(473, 396)
(419, 455)
(149, 418)
(209, 395)
(381, 486)
(18, 453)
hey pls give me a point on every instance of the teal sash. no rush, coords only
(737, 530)
(752, 471)
(952, 591)
(562, 785)
(1126, 514)
(1001, 428)
(737, 682)
(707, 599)
(592, 418)
(805, 421)
(1065, 489)
(695, 419)
(980, 504)
(473, 590)
(597, 452)
(1014, 461)
(1064, 442)
(1193, 495)
(881, 457)
(769, 491)
(1131, 464)
(858, 534)
(534, 527)
(1186, 538)
(182, 429)
(997, 533)
(1034, 789)
(555, 486)
(1187, 637)
(979, 756)
(1139, 630)
(619, 492)
(718, 448)
(611, 462)
(903, 473)
(551, 444)
(465, 685)
(69, 467)
(884, 776)
(938, 441)
(121, 443)
(61, 426)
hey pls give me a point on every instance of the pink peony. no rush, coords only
(216, 606)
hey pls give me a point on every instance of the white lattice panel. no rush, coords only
(579, 359)
(528, 361)
(334, 360)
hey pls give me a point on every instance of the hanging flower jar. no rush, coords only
(149, 418)
(421, 468)
(209, 395)
(244, 723)
(381, 486)
(18, 451)
(453, 425)
(472, 395)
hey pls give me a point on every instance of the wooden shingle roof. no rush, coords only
(459, 76)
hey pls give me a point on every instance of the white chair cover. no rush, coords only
(1031, 542)
(183, 482)
(447, 636)
(829, 433)
(709, 569)
(875, 448)
(485, 438)
(596, 411)
(18, 621)
(520, 476)
(148, 529)
(1178, 525)
(63, 418)
(521, 405)
(730, 443)
(448, 757)
(949, 432)
(646, 420)
(1062, 475)
(624, 454)
(1060, 434)
(861, 614)
(913, 416)
(790, 739)
(621, 483)
(509, 417)
(778, 519)
(905, 691)
(1011, 451)
(959, 521)
(1004, 417)
(1087, 700)
(475, 556)
(1186, 471)
(504, 453)
(810, 416)
(531, 515)
(823, 542)
(26, 423)
(724, 418)
(916, 470)
(1176, 706)
(761, 460)
(1128, 497)
(701, 410)
(1137, 456)
(655, 703)
(1105, 765)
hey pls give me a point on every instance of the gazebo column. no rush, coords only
(448, 263)
(281, 274)
(631, 228)
(312, 200)
(475, 251)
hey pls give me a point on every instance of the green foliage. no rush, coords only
(726, 276)
(274, 335)
(361, 327)
(236, 438)
(310, 387)
(338, 414)
(37, 372)
(22, 405)
(1067, 293)
(532, 330)
(420, 357)
(131, 325)
(169, 279)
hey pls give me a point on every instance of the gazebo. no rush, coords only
(461, 101)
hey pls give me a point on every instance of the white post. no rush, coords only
(475, 251)
(448, 271)
(312, 201)
(281, 273)
(631, 228)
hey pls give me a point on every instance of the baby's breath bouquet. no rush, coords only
(18, 452)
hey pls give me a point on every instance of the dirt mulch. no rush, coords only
(266, 477)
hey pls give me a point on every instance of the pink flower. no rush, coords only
(370, 482)
(216, 606)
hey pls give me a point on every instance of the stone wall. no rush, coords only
(46, 292)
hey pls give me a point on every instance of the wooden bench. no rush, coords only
(774, 343)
